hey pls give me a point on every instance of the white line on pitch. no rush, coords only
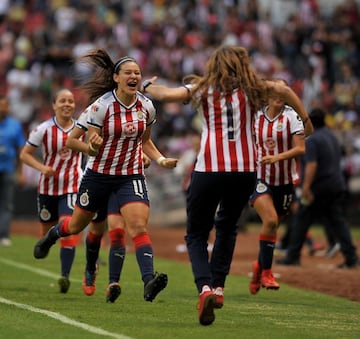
(65, 320)
(34, 270)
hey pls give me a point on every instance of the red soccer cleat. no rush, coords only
(268, 281)
(89, 282)
(255, 282)
(219, 295)
(206, 305)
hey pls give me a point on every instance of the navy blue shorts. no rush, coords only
(52, 207)
(282, 195)
(96, 189)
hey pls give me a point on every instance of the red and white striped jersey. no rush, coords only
(122, 130)
(66, 162)
(227, 138)
(274, 136)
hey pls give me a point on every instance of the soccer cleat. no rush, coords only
(89, 282)
(219, 294)
(206, 305)
(153, 287)
(42, 247)
(64, 284)
(268, 281)
(255, 282)
(112, 292)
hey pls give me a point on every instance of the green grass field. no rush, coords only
(32, 307)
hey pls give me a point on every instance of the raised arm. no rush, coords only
(290, 97)
(164, 93)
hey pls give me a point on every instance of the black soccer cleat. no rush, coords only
(155, 286)
(43, 246)
(112, 292)
(64, 284)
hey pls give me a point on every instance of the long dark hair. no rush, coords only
(101, 80)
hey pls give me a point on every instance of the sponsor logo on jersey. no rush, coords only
(270, 143)
(140, 115)
(64, 153)
(130, 129)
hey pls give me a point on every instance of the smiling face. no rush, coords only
(64, 105)
(128, 80)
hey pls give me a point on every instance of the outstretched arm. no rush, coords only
(164, 93)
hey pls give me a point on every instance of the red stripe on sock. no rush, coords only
(93, 238)
(265, 237)
(64, 226)
(117, 236)
(70, 241)
(141, 240)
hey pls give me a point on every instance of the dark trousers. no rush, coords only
(215, 199)
(329, 210)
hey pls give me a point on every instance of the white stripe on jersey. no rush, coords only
(227, 141)
(274, 136)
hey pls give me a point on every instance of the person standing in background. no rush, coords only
(60, 177)
(226, 97)
(12, 139)
(323, 194)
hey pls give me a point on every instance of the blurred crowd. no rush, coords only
(316, 52)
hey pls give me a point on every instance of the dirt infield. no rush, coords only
(316, 273)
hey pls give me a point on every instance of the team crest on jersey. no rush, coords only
(64, 153)
(84, 199)
(140, 115)
(261, 187)
(45, 214)
(270, 143)
(130, 129)
(279, 127)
